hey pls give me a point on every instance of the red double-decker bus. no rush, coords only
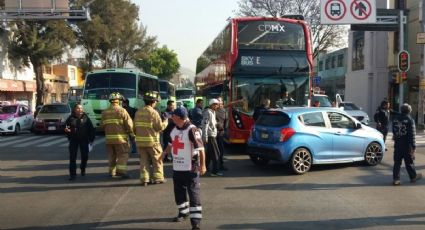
(254, 59)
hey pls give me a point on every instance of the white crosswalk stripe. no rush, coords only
(25, 144)
(14, 141)
(97, 141)
(420, 140)
(39, 141)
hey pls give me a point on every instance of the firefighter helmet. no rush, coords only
(115, 96)
(151, 96)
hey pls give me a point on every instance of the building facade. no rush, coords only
(331, 69)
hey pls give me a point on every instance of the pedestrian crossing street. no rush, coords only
(40, 141)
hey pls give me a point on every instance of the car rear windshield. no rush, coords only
(8, 109)
(55, 109)
(273, 119)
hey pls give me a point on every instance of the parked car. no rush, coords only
(14, 118)
(51, 118)
(307, 136)
(322, 99)
(355, 111)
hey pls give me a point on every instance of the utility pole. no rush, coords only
(422, 75)
(401, 48)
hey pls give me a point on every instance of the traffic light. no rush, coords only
(403, 76)
(403, 61)
(396, 78)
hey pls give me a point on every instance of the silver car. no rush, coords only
(355, 111)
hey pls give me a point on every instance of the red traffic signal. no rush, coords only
(403, 61)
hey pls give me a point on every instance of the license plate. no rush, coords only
(264, 135)
(51, 128)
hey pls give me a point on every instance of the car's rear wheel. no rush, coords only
(259, 161)
(17, 129)
(301, 161)
(373, 154)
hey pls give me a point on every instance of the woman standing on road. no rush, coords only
(80, 132)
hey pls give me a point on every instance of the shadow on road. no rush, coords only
(107, 224)
(354, 223)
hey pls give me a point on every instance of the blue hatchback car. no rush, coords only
(306, 136)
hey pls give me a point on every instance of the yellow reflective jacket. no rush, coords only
(117, 125)
(147, 126)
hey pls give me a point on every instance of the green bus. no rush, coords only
(167, 90)
(185, 97)
(99, 84)
(74, 95)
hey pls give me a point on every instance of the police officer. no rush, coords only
(188, 164)
(148, 125)
(404, 132)
(118, 126)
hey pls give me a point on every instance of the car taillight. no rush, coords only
(286, 133)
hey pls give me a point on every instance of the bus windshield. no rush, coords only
(101, 85)
(74, 94)
(166, 89)
(184, 93)
(270, 35)
(254, 90)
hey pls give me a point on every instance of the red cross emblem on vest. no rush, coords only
(177, 145)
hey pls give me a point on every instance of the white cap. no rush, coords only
(213, 101)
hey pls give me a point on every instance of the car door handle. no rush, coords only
(338, 133)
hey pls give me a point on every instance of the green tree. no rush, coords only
(134, 46)
(323, 36)
(89, 36)
(37, 43)
(162, 62)
(113, 36)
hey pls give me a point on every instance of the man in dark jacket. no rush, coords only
(195, 114)
(404, 132)
(166, 115)
(80, 132)
(382, 118)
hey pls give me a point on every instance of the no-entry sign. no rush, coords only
(347, 11)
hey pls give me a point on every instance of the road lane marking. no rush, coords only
(53, 142)
(3, 139)
(3, 144)
(96, 142)
(42, 140)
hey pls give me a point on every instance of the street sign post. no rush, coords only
(347, 11)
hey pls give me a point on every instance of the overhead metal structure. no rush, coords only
(13, 10)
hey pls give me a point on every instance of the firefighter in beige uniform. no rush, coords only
(118, 126)
(148, 125)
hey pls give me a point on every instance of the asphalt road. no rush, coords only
(36, 194)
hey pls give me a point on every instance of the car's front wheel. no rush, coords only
(259, 161)
(17, 129)
(301, 161)
(373, 154)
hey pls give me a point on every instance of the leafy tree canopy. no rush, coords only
(162, 62)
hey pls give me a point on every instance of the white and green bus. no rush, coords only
(167, 90)
(185, 97)
(99, 84)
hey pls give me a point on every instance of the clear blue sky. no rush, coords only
(185, 26)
